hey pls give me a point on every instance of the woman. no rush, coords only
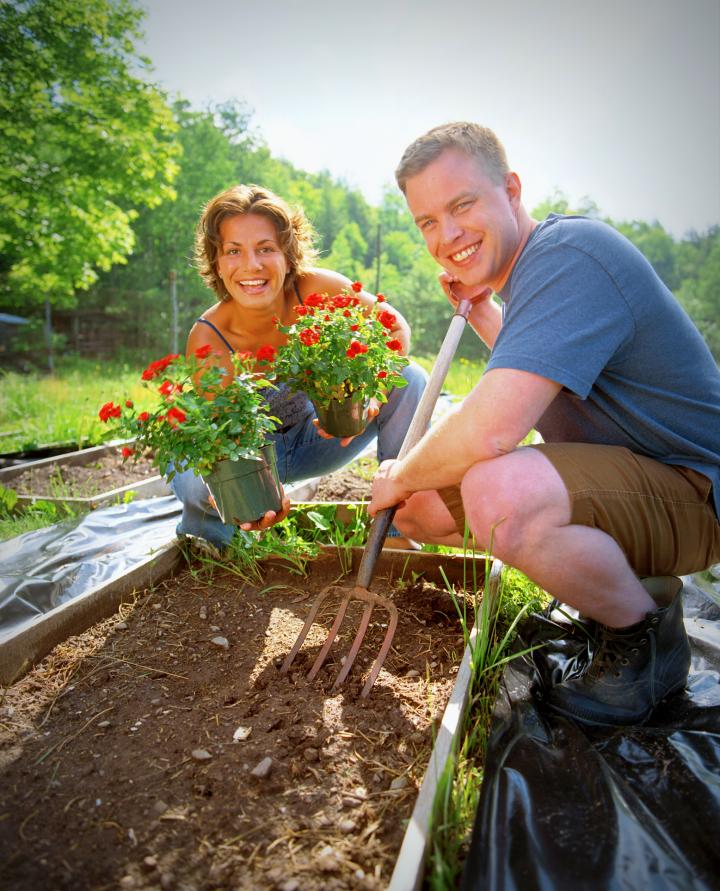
(256, 253)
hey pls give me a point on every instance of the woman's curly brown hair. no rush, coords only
(295, 234)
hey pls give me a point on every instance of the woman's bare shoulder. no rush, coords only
(320, 280)
(200, 333)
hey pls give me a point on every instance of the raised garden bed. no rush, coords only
(96, 476)
(86, 478)
(125, 764)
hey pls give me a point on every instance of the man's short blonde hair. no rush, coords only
(472, 139)
(295, 234)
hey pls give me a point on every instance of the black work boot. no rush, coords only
(632, 669)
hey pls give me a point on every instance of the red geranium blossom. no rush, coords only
(126, 452)
(382, 374)
(143, 416)
(315, 300)
(157, 367)
(387, 319)
(381, 298)
(128, 403)
(266, 353)
(356, 348)
(394, 345)
(300, 310)
(204, 351)
(109, 410)
(341, 301)
(166, 388)
(357, 287)
(175, 416)
(309, 336)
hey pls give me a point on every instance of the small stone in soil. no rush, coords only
(347, 826)
(103, 724)
(399, 783)
(242, 733)
(311, 754)
(160, 807)
(201, 754)
(328, 860)
(290, 885)
(122, 626)
(221, 642)
(262, 769)
(150, 862)
(413, 673)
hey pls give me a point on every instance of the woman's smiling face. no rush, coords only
(251, 262)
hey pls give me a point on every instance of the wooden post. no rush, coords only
(173, 301)
(378, 249)
(48, 337)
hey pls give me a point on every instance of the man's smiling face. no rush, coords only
(469, 221)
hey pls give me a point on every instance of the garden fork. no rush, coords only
(378, 532)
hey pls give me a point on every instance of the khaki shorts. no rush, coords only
(662, 516)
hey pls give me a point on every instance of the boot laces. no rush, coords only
(616, 649)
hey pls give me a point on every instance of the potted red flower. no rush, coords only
(219, 432)
(342, 354)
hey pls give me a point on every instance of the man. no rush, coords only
(592, 350)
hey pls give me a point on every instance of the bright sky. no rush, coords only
(618, 100)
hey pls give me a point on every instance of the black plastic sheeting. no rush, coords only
(564, 806)
(43, 569)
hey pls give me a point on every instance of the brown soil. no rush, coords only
(83, 480)
(117, 753)
(343, 485)
(111, 472)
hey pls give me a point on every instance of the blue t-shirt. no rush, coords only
(583, 307)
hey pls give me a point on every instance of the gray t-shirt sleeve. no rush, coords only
(565, 319)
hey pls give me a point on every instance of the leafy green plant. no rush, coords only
(341, 349)
(202, 418)
(489, 629)
(8, 499)
(35, 516)
(244, 556)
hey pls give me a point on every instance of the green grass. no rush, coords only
(458, 790)
(462, 376)
(38, 516)
(63, 407)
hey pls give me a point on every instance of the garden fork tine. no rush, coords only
(378, 532)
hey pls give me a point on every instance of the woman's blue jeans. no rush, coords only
(302, 453)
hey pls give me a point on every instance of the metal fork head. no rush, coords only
(371, 600)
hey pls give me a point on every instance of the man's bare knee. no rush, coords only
(425, 518)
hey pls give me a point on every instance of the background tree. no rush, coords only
(83, 143)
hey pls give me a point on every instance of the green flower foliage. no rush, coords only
(341, 349)
(199, 420)
(83, 142)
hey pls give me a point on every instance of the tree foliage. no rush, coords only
(83, 143)
(88, 152)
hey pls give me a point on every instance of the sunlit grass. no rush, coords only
(462, 376)
(458, 790)
(43, 409)
(37, 516)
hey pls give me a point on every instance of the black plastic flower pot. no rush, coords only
(343, 417)
(244, 490)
